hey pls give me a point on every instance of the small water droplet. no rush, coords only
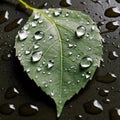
(67, 14)
(93, 107)
(115, 114)
(86, 62)
(45, 85)
(69, 82)
(27, 52)
(70, 53)
(107, 78)
(50, 65)
(70, 45)
(36, 16)
(50, 81)
(39, 69)
(112, 12)
(106, 100)
(52, 94)
(103, 92)
(81, 30)
(4, 16)
(33, 24)
(65, 3)
(26, 27)
(11, 92)
(39, 35)
(36, 46)
(22, 35)
(57, 13)
(28, 109)
(7, 108)
(113, 55)
(36, 56)
(51, 37)
(28, 70)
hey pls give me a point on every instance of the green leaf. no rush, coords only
(60, 50)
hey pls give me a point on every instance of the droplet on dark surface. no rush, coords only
(112, 12)
(114, 114)
(93, 107)
(11, 92)
(108, 78)
(28, 109)
(106, 100)
(103, 92)
(113, 55)
(4, 16)
(12, 25)
(112, 26)
(7, 108)
(118, 1)
(65, 3)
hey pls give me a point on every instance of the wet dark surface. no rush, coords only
(19, 96)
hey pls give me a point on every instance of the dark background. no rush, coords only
(12, 75)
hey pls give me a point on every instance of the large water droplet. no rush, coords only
(86, 62)
(81, 30)
(112, 26)
(28, 109)
(23, 35)
(115, 114)
(108, 78)
(93, 107)
(11, 92)
(65, 3)
(7, 108)
(39, 35)
(112, 12)
(36, 56)
(103, 92)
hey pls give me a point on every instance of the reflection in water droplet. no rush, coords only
(112, 26)
(115, 114)
(113, 55)
(39, 35)
(23, 35)
(108, 78)
(93, 107)
(81, 30)
(86, 62)
(36, 56)
(7, 108)
(28, 109)
(4, 16)
(11, 92)
(65, 3)
(112, 12)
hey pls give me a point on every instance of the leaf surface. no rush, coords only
(60, 50)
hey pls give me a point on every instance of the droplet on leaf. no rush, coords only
(81, 30)
(36, 56)
(39, 35)
(57, 13)
(23, 35)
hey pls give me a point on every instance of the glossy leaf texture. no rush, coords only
(60, 50)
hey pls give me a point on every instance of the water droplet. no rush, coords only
(112, 12)
(39, 35)
(93, 107)
(50, 81)
(7, 108)
(23, 35)
(50, 65)
(36, 46)
(45, 85)
(52, 94)
(86, 62)
(108, 78)
(106, 100)
(93, 28)
(36, 56)
(69, 82)
(28, 70)
(67, 14)
(26, 27)
(113, 55)
(4, 16)
(103, 92)
(13, 25)
(115, 114)
(70, 53)
(11, 92)
(28, 109)
(70, 45)
(33, 24)
(112, 26)
(81, 30)
(40, 21)
(57, 13)
(39, 69)
(36, 16)
(27, 52)
(65, 3)
(51, 37)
